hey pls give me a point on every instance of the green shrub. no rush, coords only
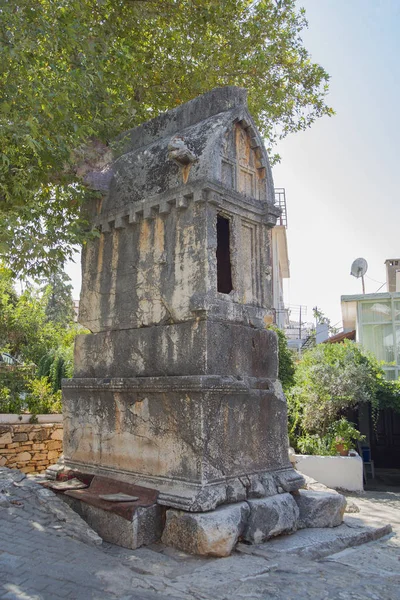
(41, 399)
(315, 444)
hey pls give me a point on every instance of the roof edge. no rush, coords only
(194, 111)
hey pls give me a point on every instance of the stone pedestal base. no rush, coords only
(216, 533)
(201, 441)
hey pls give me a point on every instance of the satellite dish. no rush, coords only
(358, 269)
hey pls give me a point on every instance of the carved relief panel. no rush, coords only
(241, 167)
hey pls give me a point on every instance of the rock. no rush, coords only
(316, 486)
(256, 489)
(270, 517)
(320, 509)
(57, 434)
(214, 533)
(54, 470)
(4, 503)
(235, 491)
(52, 454)
(20, 437)
(6, 438)
(269, 484)
(289, 480)
(351, 507)
(23, 457)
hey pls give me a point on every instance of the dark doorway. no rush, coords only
(385, 441)
(224, 269)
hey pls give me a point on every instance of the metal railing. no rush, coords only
(280, 200)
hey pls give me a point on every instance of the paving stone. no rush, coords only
(48, 564)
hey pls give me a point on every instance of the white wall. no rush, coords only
(344, 472)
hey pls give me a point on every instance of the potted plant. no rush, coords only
(344, 436)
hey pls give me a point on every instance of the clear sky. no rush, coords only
(342, 175)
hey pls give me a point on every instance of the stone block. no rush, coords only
(200, 435)
(39, 447)
(23, 428)
(320, 509)
(212, 533)
(53, 454)
(3, 461)
(270, 517)
(54, 445)
(23, 457)
(6, 438)
(20, 437)
(192, 348)
(39, 435)
(39, 456)
(144, 529)
(57, 434)
(27, 469)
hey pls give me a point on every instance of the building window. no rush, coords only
(379, 327)
(224, 268)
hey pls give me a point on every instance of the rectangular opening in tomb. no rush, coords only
(224, 269)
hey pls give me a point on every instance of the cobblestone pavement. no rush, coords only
(47, 552)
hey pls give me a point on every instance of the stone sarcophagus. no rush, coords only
(176, 387)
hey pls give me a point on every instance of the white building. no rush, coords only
(280, 261)
(376, 320)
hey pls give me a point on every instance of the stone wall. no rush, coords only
(30, 448)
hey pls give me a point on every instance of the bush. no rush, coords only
(314, 444)
(41, 399)
(286, 368)
(13, 386)
(340, 432)
(330, 379)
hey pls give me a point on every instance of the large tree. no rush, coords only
(74, 74)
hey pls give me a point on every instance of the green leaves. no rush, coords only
(73, 71)
(332, 378)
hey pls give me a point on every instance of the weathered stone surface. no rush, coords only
(20, 437)
(351, 507)
(320, 509)
(213, 533)
(57, 434)
(194, 430)
(268, 481)
(288, 480)
(176, 387)
(6, 438)
(144, 529)
(190, 348)
(4, 501)
(270, 517)
(23, 457)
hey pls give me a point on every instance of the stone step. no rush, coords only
(319, 542)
